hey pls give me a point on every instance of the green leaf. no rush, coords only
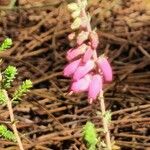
(90, 135)
(7, 134)
(2, 97)
(23, 89)
(7, 43)
(107, 116)
(8, 76)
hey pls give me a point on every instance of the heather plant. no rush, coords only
(6, 79)
(88, 71)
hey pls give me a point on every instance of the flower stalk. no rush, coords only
(105, 121)
(87, 71)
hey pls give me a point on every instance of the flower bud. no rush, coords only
(73, 6)
(71, 36)
(84, 23)
(76, 24)
(74, 52)
(81, 85)
(76, 13)
(82, 37)
(84, 3)
(94, 39)
(71, 68)
(95, 87)
(83, 70)
(105, 68)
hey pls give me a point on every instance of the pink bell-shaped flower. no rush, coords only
(75, 52)
(71, 68)
(83, 70)
(95, 87)
(105, 68)
(88, 54)
(81, 85)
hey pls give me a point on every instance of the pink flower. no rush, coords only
(95, 87)
(81, 85)
(83, 70)
(94, 39)
(88, 54)
(71, 68)
(75, 52)
(105, 68)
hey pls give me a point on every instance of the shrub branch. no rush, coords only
(12, 119)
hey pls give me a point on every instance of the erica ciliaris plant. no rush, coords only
(88, 71)
(6, 79)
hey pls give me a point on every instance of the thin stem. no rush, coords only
(12, 119)
(105, 122)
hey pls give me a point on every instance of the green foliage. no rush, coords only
(2, 97)
(6, 79)
(6, 44)
(7, 134)
(26, 85)
(9, 76)
(90, 135)
(107, 116)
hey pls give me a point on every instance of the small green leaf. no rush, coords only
(107, 116)
(7, 43)
(8, 76)
(7, 134)
(2, 97)
(23, 89)
(90, 135)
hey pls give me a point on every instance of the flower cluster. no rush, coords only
(87, 71)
